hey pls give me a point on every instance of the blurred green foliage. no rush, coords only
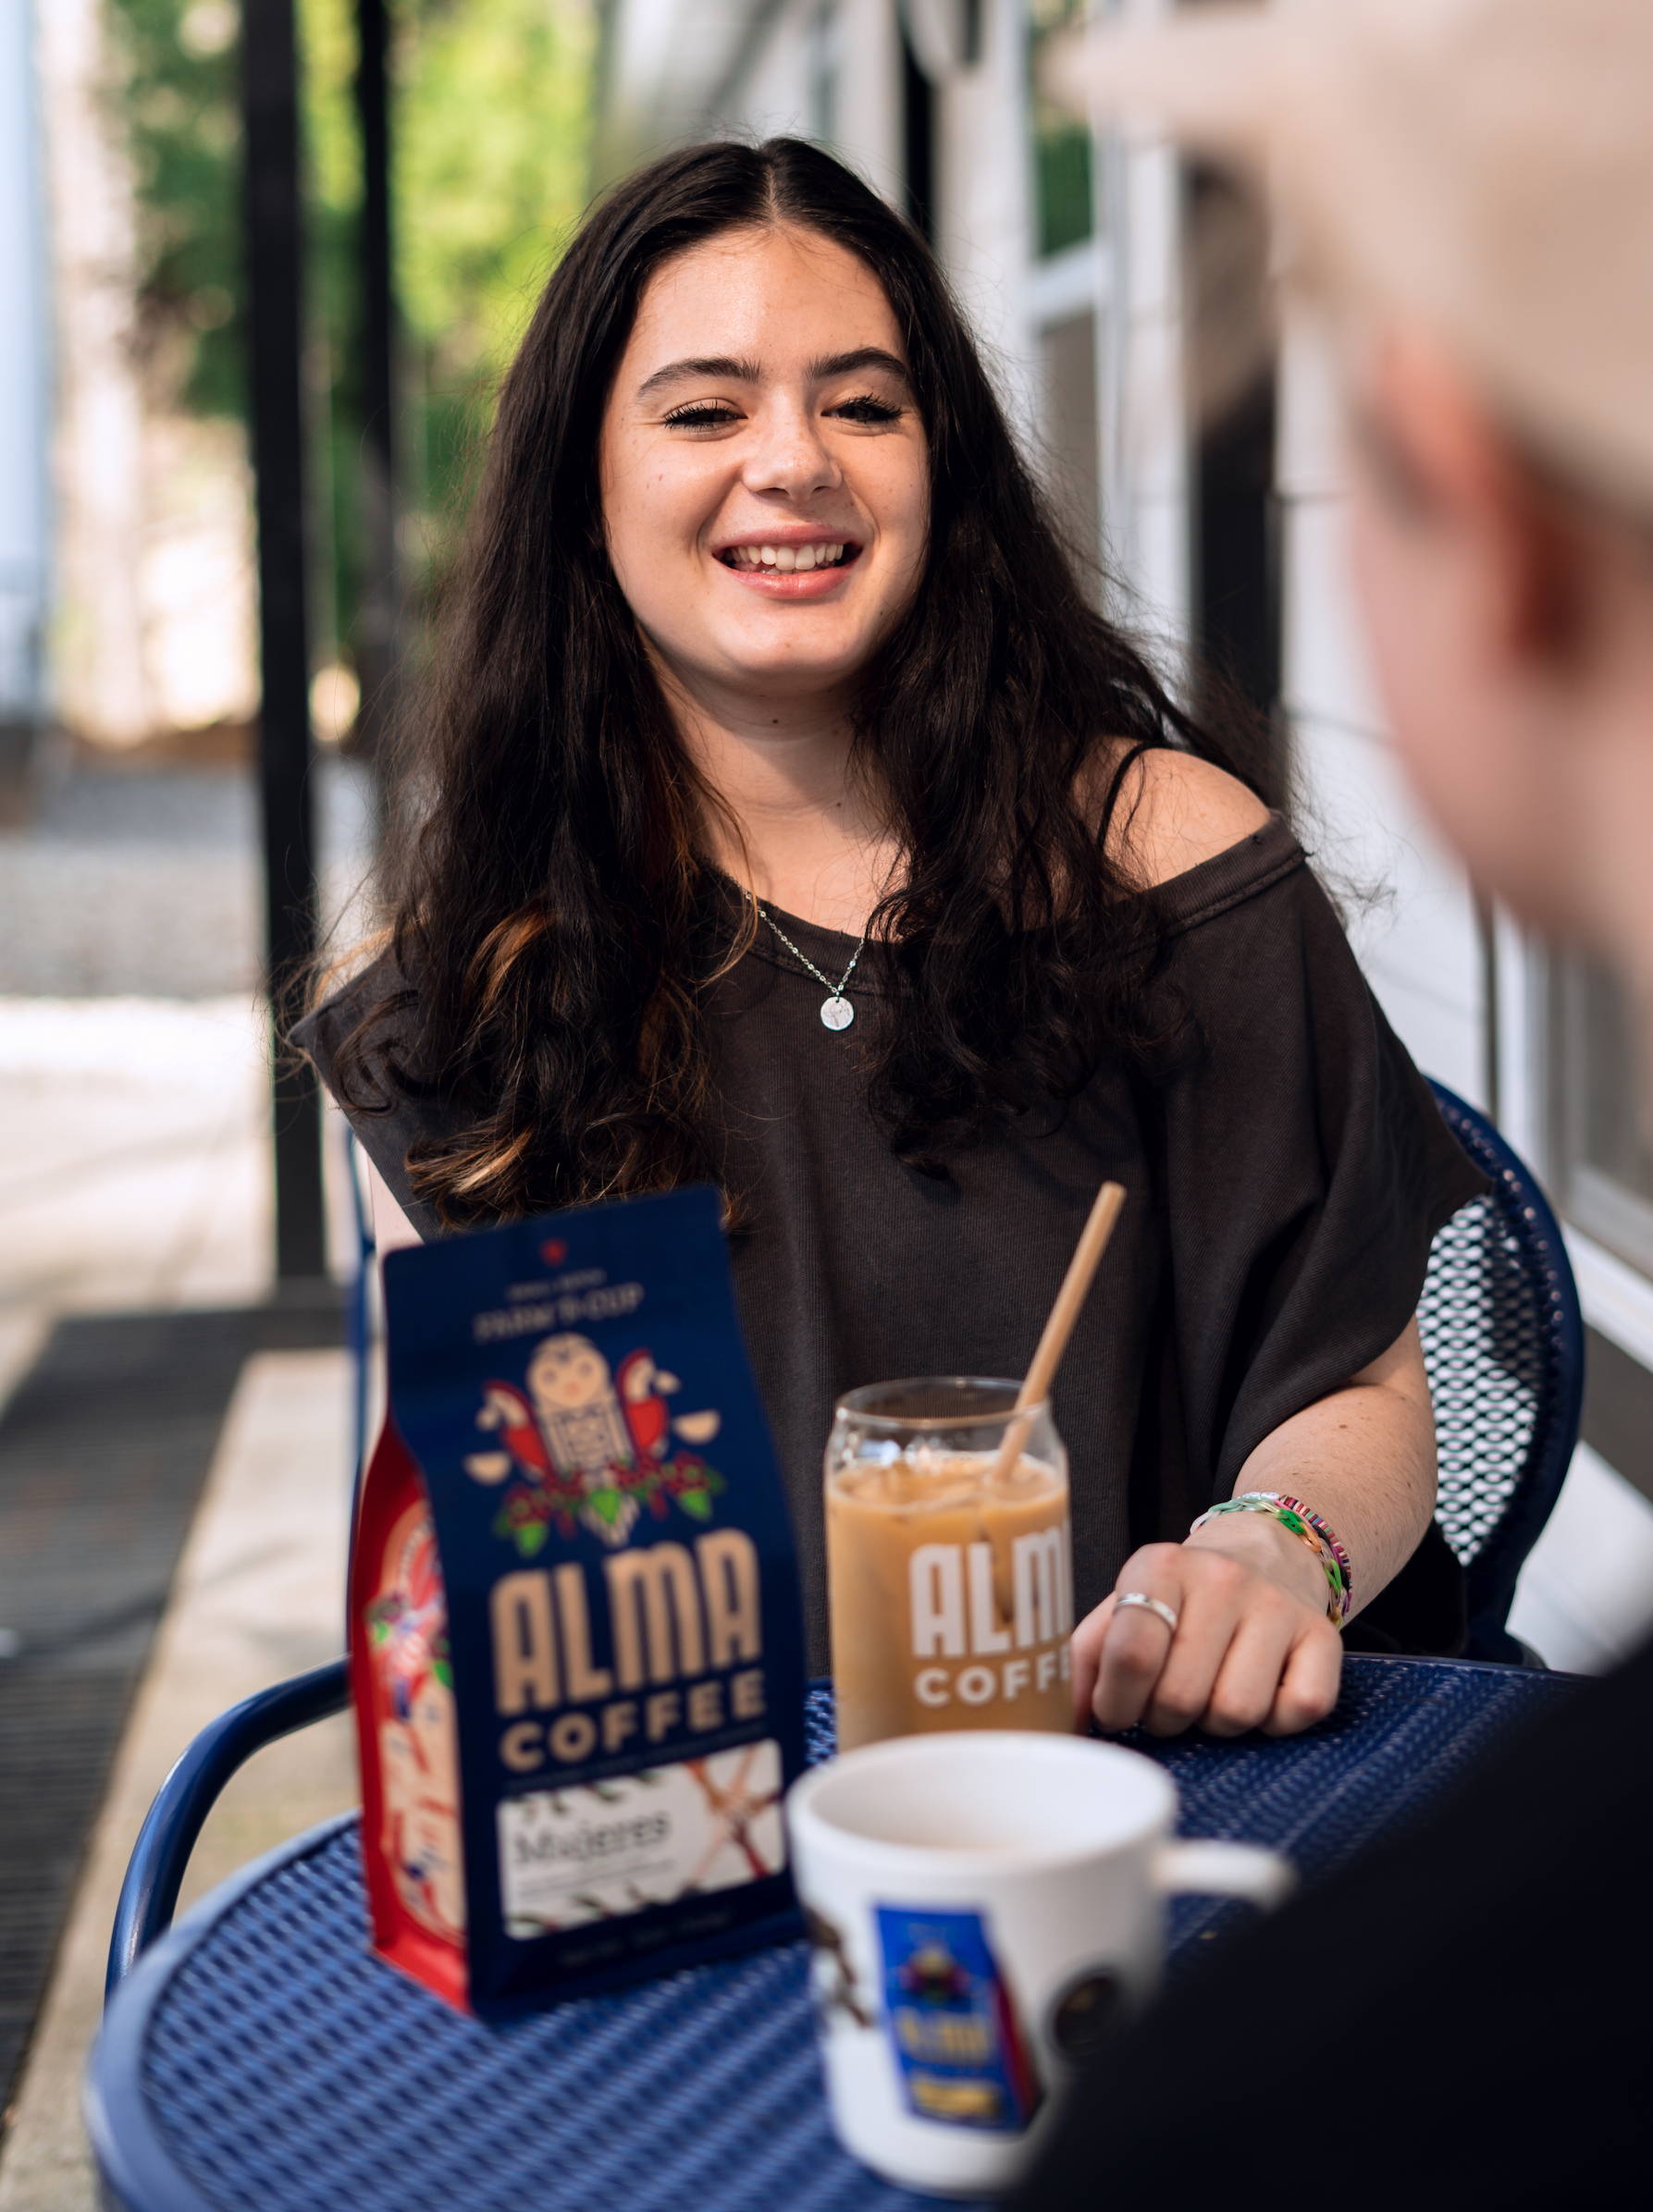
(1062, 212)
(184, 132)
(490, 152)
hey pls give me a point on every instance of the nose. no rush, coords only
(788, 455)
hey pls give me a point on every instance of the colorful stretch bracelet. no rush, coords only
(1321, 1529)
(1308, 1526)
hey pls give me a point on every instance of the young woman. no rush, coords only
(787, 816)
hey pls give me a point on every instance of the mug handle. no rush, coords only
(1213, 1869)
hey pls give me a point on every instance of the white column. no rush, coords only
(984, 218)
(1144, 444)
(24, 378)
(98, 445)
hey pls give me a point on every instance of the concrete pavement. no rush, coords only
(258, 1595)
(138, 1181)
(134, 1178)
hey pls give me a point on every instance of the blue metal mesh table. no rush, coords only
(259, 2056)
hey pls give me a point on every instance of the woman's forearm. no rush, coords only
(1363, 1459)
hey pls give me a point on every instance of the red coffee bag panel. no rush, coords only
(401, 1683)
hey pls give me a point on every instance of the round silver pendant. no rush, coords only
(837, 1014)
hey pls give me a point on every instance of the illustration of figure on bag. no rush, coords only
(591, 1447)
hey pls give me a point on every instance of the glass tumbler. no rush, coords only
(949, 1560)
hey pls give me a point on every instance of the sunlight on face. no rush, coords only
(765, 476)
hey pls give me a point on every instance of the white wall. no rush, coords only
(774, 99)
(1585, 1600)
(982, 192)
(1418, 938)
(1145, 486)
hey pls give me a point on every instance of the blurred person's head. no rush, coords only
(1510, 606)
(1467, 189)
(743, 350)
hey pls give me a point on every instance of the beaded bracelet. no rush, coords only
(1306, 1525)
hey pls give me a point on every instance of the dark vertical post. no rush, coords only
(378, 616)
(1492, 1060)
(918, 120)
(1231, 351)
(1236, 579)
(274, 261)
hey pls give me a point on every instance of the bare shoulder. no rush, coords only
(1176, 810)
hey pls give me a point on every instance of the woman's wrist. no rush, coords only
(1261, 1543)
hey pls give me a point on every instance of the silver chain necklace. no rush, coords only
(836, 1013)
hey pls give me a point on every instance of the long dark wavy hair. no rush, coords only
(548, 901)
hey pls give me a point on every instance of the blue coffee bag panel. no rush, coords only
(623, 1614)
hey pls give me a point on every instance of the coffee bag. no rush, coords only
(575, 1634)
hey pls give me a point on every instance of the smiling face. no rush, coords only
(765, 479)
(567, 1372)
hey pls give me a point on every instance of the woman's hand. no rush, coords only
(1253, 1649)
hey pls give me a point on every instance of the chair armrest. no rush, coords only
(156, 1871)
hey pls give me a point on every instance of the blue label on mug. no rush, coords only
(959, 2050)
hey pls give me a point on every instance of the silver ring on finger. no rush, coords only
(1155, 1606)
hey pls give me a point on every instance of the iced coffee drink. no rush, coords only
(948, 1563)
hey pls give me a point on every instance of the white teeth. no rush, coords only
(786, 558)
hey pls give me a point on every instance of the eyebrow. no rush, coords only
(726, 366)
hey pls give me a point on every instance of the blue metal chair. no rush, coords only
(161, 1854)
(155, 1869)
(1503, 1343)
(361, 1307)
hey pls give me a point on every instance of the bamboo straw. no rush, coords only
(1076, 1284)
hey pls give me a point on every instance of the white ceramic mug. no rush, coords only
(981, 1909)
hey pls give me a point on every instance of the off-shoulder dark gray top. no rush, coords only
(1285, 1182)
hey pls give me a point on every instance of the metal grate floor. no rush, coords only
(103, 1448)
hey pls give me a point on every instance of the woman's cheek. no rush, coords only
(906, 512)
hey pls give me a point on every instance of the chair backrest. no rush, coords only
(1503, 1342)
(360, 1314)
